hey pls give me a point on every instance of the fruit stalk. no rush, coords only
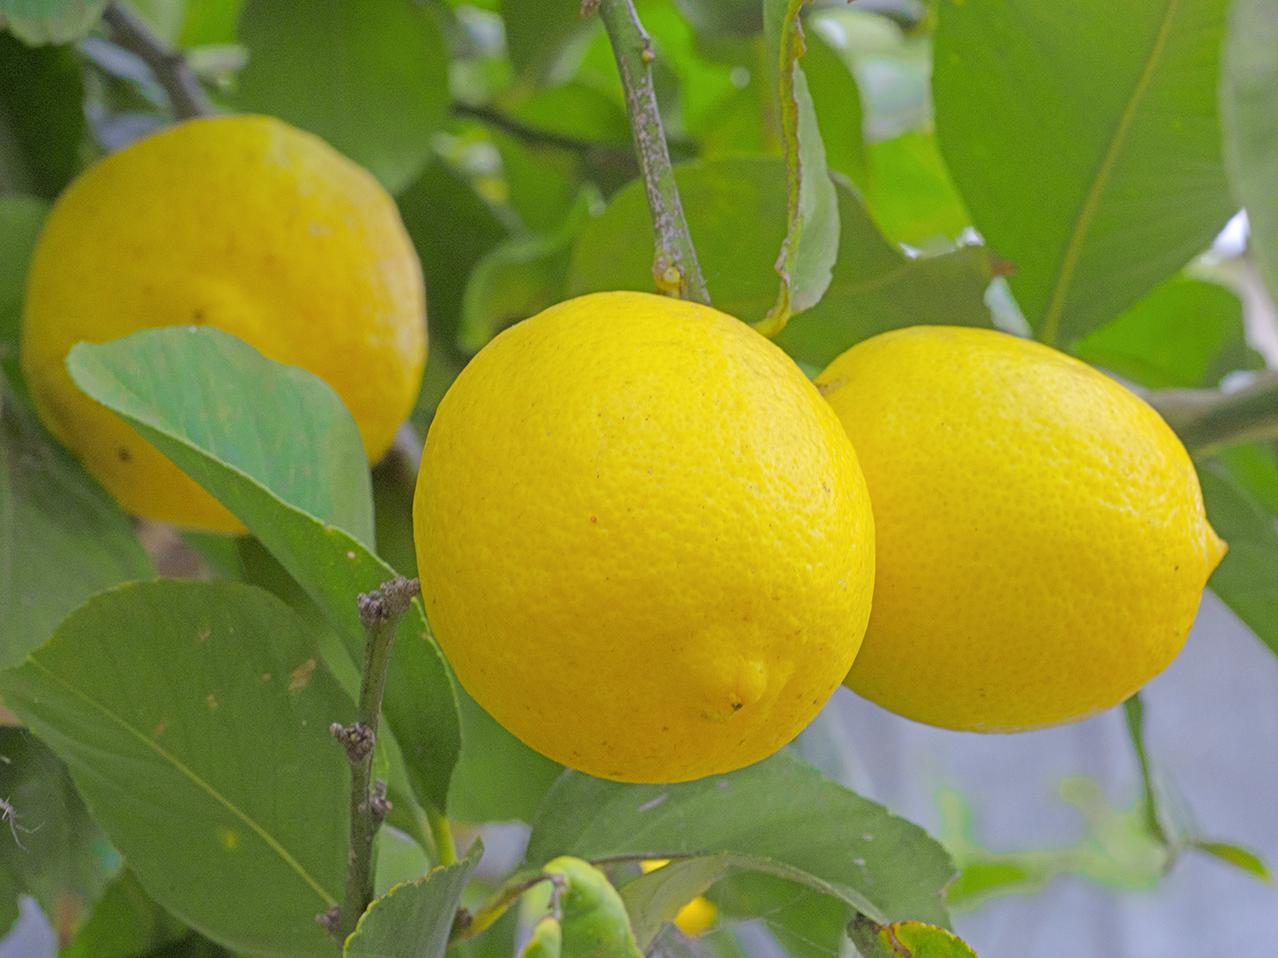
(675, 269)
(380, 612)
(171, 71)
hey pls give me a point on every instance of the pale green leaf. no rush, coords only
(225, 453)
(1085, 140)
(370, 78)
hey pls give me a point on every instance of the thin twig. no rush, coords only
(1208, 419)
(380, 612)
(169, 66)
(675, 269)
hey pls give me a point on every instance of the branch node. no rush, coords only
(388, 602)
(357, 739)
(328, 919)
(378, 803)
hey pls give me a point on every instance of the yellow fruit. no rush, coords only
(697, 915)
(239, 222)
(644, 540)
(1042, 545)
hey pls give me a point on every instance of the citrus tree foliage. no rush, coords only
(1051, 169)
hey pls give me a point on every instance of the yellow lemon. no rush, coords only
(697, 915)
(239, 222)
(644, 540)
(1042, 545)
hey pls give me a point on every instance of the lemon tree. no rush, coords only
(779, 353)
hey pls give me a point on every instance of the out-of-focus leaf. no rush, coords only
(210, 22)
(170, 701)
(1241, 858)
(517, 278)
(41, 117)
(1250, 90)
(48, 843)
(1247, 578)
(50, 21)
(778, 816)
(657, 897)
(907, 939)
(736, 211)
(451, 227)
(1185, 333)
(838, 106)
(536, 33)
(126, 923)
(892, 68)
(1099, 119)
(414, 919)
(910, 193)
(62, 537)
(20, 220)
(737, 18)
(371, 78)
(329, 562)
(811, 240)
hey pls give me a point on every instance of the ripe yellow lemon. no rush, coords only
(644, 539)
(239, 222)
(1042, 545)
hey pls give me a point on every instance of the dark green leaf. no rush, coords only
(194, 718)
(811, 240)
(736, 211)
(48, 843)
(1250, 90)
(1067, 128)
(779, 816)
(62, 538)
(50, 21)
(41, 117)
(451, 227)
(498, 777)
(330, 564)
(1247, 578)
(1241, 858)
(126, 923)
(371, 78)
(413, 920)
(20, 220)
(1185, 333)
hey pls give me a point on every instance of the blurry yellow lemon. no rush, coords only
(1042, 545)
(644, 539)
(239, 222)
(697, 915)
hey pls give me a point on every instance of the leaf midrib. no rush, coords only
(1050, 329)
(195, 779)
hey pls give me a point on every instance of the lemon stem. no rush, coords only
(675, 269)
(1208, 419)
(380, 612)
(170, 69)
